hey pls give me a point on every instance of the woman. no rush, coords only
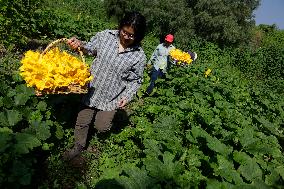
(117, 70)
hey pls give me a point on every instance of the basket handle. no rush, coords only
(52, 44)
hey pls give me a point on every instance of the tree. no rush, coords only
(17, 20)
(225, 22)
(163, 16)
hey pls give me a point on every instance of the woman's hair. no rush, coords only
(137, 21)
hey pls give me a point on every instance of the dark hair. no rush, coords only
(137, 21)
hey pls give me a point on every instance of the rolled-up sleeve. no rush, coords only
(93, 45)
(134, 79)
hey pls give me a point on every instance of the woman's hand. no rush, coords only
(122, 102)
(74, 43)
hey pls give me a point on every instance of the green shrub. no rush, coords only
(18, 21)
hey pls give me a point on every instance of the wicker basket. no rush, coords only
(72, 88)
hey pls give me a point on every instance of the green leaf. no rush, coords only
(81, 186)
(246, 136)
(184, 104)
(11, 93)
(136, 178)
(42, 130)
(45, 146)
(171, 167)
(16, 77)
(168, 169)
(59, 133)
(280, 171)
(152, 147)
(199, 132)
(155, 109)
(13, 117)
(5, 141)
(35, 116)
(41, 106)
(190, 177)
(7, 102)
(3, 119)
(194, 155)
(21, 99)
(1, 101)
(268, 126)
(190, 138)
(226, 169)
(265, 145)
(217, 146)
(25, 142)
(248, 166)
(24, 89)
(272, 178)
(47, 114)
(214, 184)
(6, 130)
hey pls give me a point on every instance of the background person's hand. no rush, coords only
(74, 43)
(122, 102)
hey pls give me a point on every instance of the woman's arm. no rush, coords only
(89, 48)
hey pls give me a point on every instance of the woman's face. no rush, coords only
(127, 36)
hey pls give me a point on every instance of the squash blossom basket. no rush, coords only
(55, 71)
(180, 58)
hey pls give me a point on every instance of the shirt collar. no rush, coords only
(170, 46)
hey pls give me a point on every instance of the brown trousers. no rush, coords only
(88, 116)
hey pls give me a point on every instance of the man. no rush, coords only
(160, 59)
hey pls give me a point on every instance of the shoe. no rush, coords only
(71, 153)
(195, 56)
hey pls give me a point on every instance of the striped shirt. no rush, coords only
(116, 75)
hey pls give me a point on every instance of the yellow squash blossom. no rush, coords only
(53, 71)
(207, 72)
(180, 56)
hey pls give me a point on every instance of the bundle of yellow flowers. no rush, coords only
(55, 72)
(180, 57)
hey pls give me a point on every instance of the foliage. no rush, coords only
(18, 20)
(264, 59)
(36, 19)
(26, 126)
(197, 131)
(82, 19)
(209, 125)
(161, 16)
(31, 126)
(225, 22)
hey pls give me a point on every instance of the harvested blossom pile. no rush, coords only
(180, 57)
(53, 71)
